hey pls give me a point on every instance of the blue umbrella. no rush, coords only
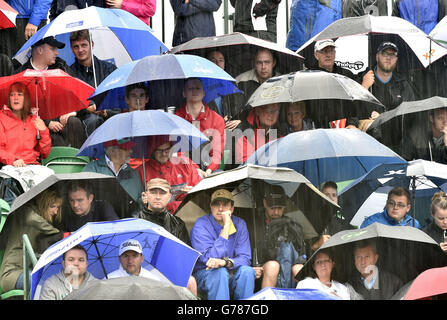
(138, 125)
(291, 294)
(325, 154)
(172, 257)
(367, 195)
(168, 67)
(119, 37)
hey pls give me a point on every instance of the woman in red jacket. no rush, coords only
(19, 144)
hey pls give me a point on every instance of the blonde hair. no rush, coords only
(45, 200)
(301, 107)
(439, 200)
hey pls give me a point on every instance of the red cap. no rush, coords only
(125, 143)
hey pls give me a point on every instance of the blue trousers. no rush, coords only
(219, 283)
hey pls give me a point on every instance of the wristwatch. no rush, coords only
(228, 262)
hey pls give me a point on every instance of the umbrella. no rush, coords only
(118, 35)
(239, 51)
(359, 37)
(392, 126)
(439, 32)
(104, 188)
(102, 240)
(329, 96)
(130, 288)
(325, 154)
(307, 206)
(291, 294)
(169, 72)
(431, 282)
(7, 15)
(138, 125)
(404, 251)
(368, 194)
(52, 92)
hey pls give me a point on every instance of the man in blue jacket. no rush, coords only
(223, 240)
(395, 213)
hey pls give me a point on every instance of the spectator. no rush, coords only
(19, 144)
(209, 122)
(395, 212)
(157, 196)
(6, 66)
(37, 220)
(260, 127)
(73, 275)
(114, 163)
(223, 269)
(322, 277)
(296, 117)
(82, 45)
(280, 245)
(84, 208)
(244, 13)
(181, 173)
(59, 6)
(427, 142)
(143, 10)
(437, 229)
(357, 8)
(388, 86)
(131, 258)
(193, 18)
(32, 15)
(136, 96)
(368, 280)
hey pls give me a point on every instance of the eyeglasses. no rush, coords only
(393, 204)
(321, 262)
(389, 54)
(163, 150)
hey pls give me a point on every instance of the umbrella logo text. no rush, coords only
(74, 24)
(352, 235)
(272, 92)
(358, 65)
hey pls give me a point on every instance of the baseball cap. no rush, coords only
(275, 197)
(320, 45)
(130, 244)
(158, 183)
(221, 194)
(51, 41)
(125, 143)
(387, 45)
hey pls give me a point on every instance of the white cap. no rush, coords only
(130, 244)
(320, 45)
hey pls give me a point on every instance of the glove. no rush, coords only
(260, 9)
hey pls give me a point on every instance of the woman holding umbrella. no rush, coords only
(24, 138)
(437, 229)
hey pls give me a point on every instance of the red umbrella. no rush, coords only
(7, 16)
(53, 92)
(429, 283)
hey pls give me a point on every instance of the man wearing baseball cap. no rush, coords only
(324, 53)
(131, 258)
(387, 85)
(223, 270)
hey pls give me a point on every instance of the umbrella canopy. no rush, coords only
(359, 37)
(7, 15)
(403, 251)
(139, 125)
(431, 282)
(329, 96)
(102, 241)
(130, 288)
(325, 154)
(168, 71)
(119, 37)
(368, 194)
(239, 51)
(439, 33)
(47, 89)
(104, 188)
(291, 294)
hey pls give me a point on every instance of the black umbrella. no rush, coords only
(104, 188)
(328, 96)
(130, 288)
(306, 204)
(403, 251)
(239, 51)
